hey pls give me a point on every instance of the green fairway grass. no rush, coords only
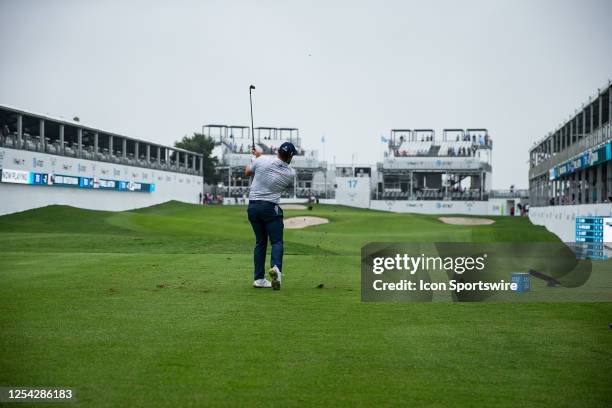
(154, 307)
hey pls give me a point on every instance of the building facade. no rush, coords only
(46, 161)
(570, 173)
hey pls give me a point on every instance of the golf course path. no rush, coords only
(304, 221)
(466, 221)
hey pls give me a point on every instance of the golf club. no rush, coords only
(251, 100)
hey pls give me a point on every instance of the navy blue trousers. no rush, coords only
(266, 218)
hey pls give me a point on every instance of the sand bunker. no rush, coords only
(293, 207)
(466, 221)
(303, 222)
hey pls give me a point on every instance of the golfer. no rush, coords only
(271, 176)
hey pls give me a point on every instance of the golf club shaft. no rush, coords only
(252, 128)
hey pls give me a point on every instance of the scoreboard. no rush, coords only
(594, 237)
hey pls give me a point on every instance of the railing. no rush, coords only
(523, 193)
(599, 136)
(71, 150)
(436, 148)
(290, 192)
(407, 164)
(239, 144)
(431, 195)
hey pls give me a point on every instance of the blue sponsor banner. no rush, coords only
(64, 180)
(86, 182)
(583, 161)
(105, 184)
(553, 173)
(39, 178)
(67, 181)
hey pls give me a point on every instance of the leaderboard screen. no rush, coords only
(594, 237)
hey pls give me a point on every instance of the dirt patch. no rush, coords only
(466, 221)
(303, 222)
(293, 207)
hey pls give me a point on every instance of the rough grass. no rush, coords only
(154, 308)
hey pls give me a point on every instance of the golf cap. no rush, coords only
(288, 148)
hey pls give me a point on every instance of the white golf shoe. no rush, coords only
(262, 283)
(276, 276)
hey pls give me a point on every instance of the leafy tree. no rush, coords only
(204, 145)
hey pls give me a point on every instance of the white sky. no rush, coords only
(348, 70)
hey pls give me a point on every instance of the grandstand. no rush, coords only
(570, 172)
(571, 165)
(42, 133)
(234, 153)
(39, 153)
(420, 166)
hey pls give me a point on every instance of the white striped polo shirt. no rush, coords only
(272, 176)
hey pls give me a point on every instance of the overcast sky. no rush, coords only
(348, 70)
